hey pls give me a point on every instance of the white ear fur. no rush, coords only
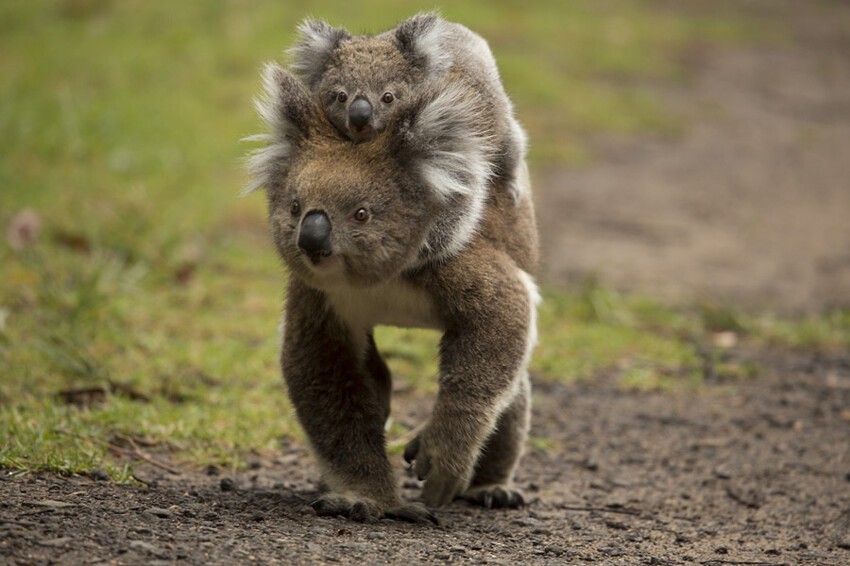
(448, 144)
(424, 36)
(454, 152)
(317, 40)
(262, 163)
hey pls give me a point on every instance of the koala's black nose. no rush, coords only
(359, 113)
(315, 235)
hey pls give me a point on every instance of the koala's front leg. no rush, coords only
(488, 305)
(341, 401)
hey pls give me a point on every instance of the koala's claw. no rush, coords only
(494, 497)
(420, 462)
(441, 491)
(331, 505)
(413, 513)
(411, 450)
(366, 511)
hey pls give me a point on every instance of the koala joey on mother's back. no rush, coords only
(361, 81)
(404, 230)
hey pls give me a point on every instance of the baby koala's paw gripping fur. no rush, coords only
(364, 510)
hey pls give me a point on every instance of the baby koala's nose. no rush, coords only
(360, 113)
(314, 238)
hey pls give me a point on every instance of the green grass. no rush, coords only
(155, 288)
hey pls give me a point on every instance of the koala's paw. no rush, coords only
(494, 497)
(413, 513)
(367, 511)
(335, 505)
(444, 478)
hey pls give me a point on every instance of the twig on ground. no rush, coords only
(19, 523)
(719, 562)
(136, 452)
(150, 459)
(619, 510)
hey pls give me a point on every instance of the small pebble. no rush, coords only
(159, 512)
(142, 546)
(227, 484)
(55, 542)
(590, 464)
(99, 475)
(722, 474)
(554, 550)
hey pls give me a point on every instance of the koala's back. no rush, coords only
(471, 56)
(511, 227)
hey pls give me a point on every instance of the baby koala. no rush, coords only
(360, 81)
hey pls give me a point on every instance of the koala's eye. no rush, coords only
(295, 208)
(362, 215)
(387, 97)
(341, 96)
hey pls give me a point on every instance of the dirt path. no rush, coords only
(738, 473)
(751, 205)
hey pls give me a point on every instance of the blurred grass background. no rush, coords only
(145, 313)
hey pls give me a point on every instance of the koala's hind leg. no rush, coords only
(342, 408)
(491, 485)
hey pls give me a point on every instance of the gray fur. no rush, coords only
(438, 247)
(313, 52)
(418, 54)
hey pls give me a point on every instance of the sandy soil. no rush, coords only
(748, 206)
(754, 472)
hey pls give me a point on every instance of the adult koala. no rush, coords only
(409, 229)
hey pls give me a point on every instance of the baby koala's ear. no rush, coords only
(317, 40)
(441, 133)
(421, 40)
(290, 117)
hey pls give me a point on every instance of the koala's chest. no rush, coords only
(394, 304)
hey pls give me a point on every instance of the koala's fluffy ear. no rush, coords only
(421, 40)
(316, 43)
(290, 117)
(442, 133)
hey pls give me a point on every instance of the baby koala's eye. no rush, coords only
(387, 97)
(294, 208)
(341, 96)
(362, 215)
